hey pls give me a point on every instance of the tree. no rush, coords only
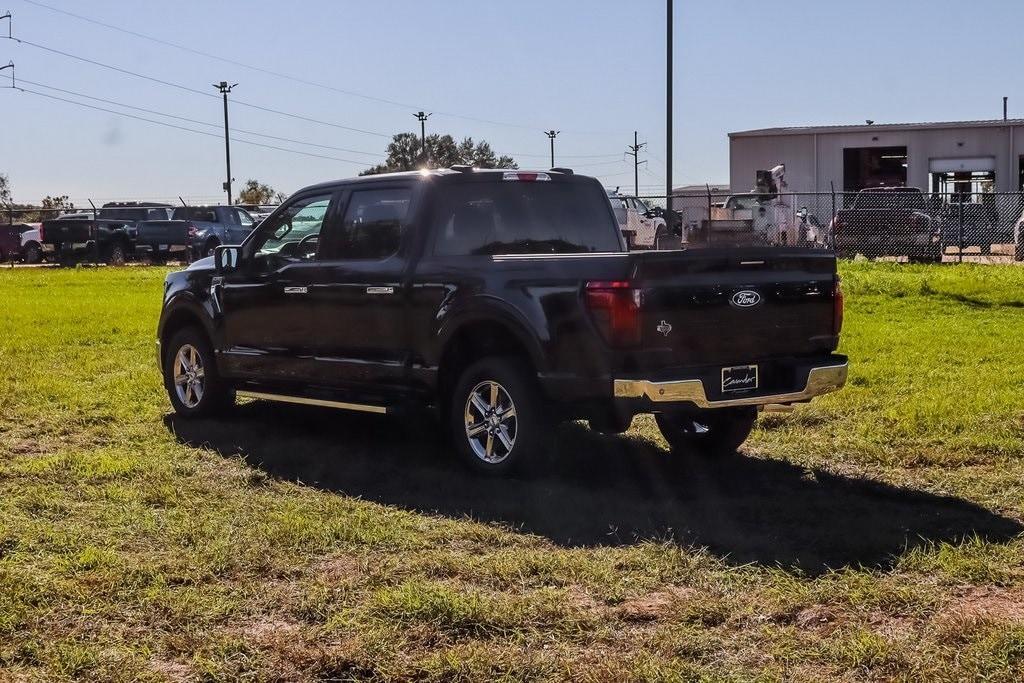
(255, 192)
(57, 203)
(5, 189)
(405, 154)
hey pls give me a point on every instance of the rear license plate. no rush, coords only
(739, 378)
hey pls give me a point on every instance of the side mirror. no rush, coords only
(226, 258)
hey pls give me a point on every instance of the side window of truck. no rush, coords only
(295, 232)
(372, 226)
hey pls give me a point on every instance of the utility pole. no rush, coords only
(634, 151)
(552, 134)
(668, 109)
(224, 89)
(422, 118)
(10, 23)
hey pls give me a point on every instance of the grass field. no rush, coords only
(875, 534)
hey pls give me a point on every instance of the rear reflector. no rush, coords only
(837, 309)
(615, 308)
(523, 177)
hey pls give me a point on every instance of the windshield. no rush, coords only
(486, 218)
(890, 199)
(132, 213)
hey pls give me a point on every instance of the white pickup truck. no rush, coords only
(642, 229)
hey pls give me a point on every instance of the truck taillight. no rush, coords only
(615, 307)
(42, 233)
(837, 309)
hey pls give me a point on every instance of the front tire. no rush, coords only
(497, 416)
(193, 384)
(719, 431)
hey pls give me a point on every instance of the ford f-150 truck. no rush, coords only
(888, 221)
(199, 229)
(505, 300)
(111, 236)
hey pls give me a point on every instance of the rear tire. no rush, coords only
(497, 416)
(714, 432)
(116, 255)
(193, 384)
(33, 253)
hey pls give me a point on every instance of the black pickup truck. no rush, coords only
(110, 236)
(889, 221)
(505, 300)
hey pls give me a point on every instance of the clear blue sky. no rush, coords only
(593, 69)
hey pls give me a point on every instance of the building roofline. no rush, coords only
(876, 127)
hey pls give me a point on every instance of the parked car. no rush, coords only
(109, 237)
(977, 223)
(641, 227)
(888, 221)
(198, 229)
(507, 301)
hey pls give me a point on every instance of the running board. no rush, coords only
(342, 405)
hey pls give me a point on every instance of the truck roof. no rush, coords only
(459, 172)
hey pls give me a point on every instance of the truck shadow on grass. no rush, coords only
(605, 490)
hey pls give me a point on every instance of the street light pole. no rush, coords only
(668, 108)
(552, 134)
(224, 89)
(422, 118)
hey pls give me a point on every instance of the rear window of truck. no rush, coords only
(487, 218)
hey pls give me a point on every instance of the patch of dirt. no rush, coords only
(818, 618)
(269, 632)
(656, 605)
(339, 568)
(175, 672)
(990, 602)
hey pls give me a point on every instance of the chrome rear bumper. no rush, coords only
(820, 380)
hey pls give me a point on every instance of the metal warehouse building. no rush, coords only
(958, 156)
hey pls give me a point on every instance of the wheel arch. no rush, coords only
(470, 339)
(184, 314)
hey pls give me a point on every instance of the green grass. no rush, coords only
(871, 534)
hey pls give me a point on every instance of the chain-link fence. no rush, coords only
(902, 224)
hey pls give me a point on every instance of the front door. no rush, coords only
(359, 297)
(265, 304)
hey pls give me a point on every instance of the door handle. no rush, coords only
(296, 290)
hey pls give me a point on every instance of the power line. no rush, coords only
(183, 128)
(194, 90)
(277, 74)
(197, 121)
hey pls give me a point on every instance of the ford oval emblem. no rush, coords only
(745, 298)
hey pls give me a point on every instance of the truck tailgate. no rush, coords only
(67, 231)
(733, 306)
(163, 233)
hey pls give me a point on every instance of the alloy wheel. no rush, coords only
(189, 376)
(490, 420)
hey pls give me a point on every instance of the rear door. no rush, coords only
(359, 295)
